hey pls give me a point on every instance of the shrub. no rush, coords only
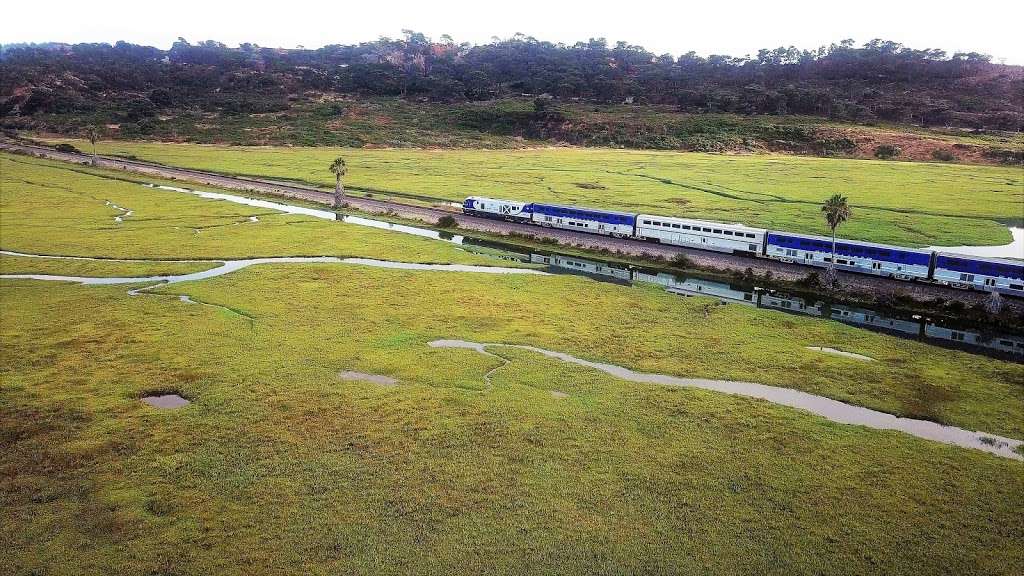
(943, 155)
(834, 146)
(681, 261)
(63, 147)
(446, 221)
(812, 280)
(887, 151)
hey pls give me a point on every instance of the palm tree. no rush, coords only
(93, 135)
(339, 170)
(837, 211)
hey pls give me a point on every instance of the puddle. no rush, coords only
(375, 378)
(853, 355)
(833, 410)
(1014, 249)
(124, 211)
(166, 401)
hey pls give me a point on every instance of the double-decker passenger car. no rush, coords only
(992, 274)
(607, 222)
(497, 208)
(700, 234)
(865, 257)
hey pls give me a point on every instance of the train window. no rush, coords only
(686, 227)
(706, 229)
(675, 225)
(717, 231)
(750, 235)
(728, 232)
(648, 222)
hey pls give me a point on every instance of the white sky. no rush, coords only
(734, 27)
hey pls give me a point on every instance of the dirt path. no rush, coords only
(626, 247)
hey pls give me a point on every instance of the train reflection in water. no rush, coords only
(969, 338)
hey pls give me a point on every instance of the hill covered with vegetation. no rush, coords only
(880, 99)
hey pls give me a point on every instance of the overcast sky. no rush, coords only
(734, 27)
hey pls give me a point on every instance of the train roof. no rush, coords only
(848, 241)
(495, 199)
(699, 221)
(585, 209)
(1007, 261)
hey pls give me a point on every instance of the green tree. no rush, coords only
(93, 134)
(339, 170)
(836, 210)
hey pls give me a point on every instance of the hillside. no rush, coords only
(879, 100)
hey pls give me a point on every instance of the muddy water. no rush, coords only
(375, 378)
(843, 353)
(833, 410)
(166, 401)
(230, 266)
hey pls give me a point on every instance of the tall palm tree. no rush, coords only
(93, 135)
(836, 210)
(339, 170)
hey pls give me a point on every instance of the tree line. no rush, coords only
(879, 80)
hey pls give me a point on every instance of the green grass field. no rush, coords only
(279, 466)
(56, 208)
(105, 268)
(914, 204)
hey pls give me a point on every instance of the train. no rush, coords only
(910, 264)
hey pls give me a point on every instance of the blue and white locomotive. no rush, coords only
(989, 274)
(496, 208)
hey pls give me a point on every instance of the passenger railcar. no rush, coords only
(990, 274)
(700, 234)
(496, 208)
(607, 222)
(864, 257)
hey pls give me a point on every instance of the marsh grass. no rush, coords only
(98, 268)
(349, 476)
(280, 467)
